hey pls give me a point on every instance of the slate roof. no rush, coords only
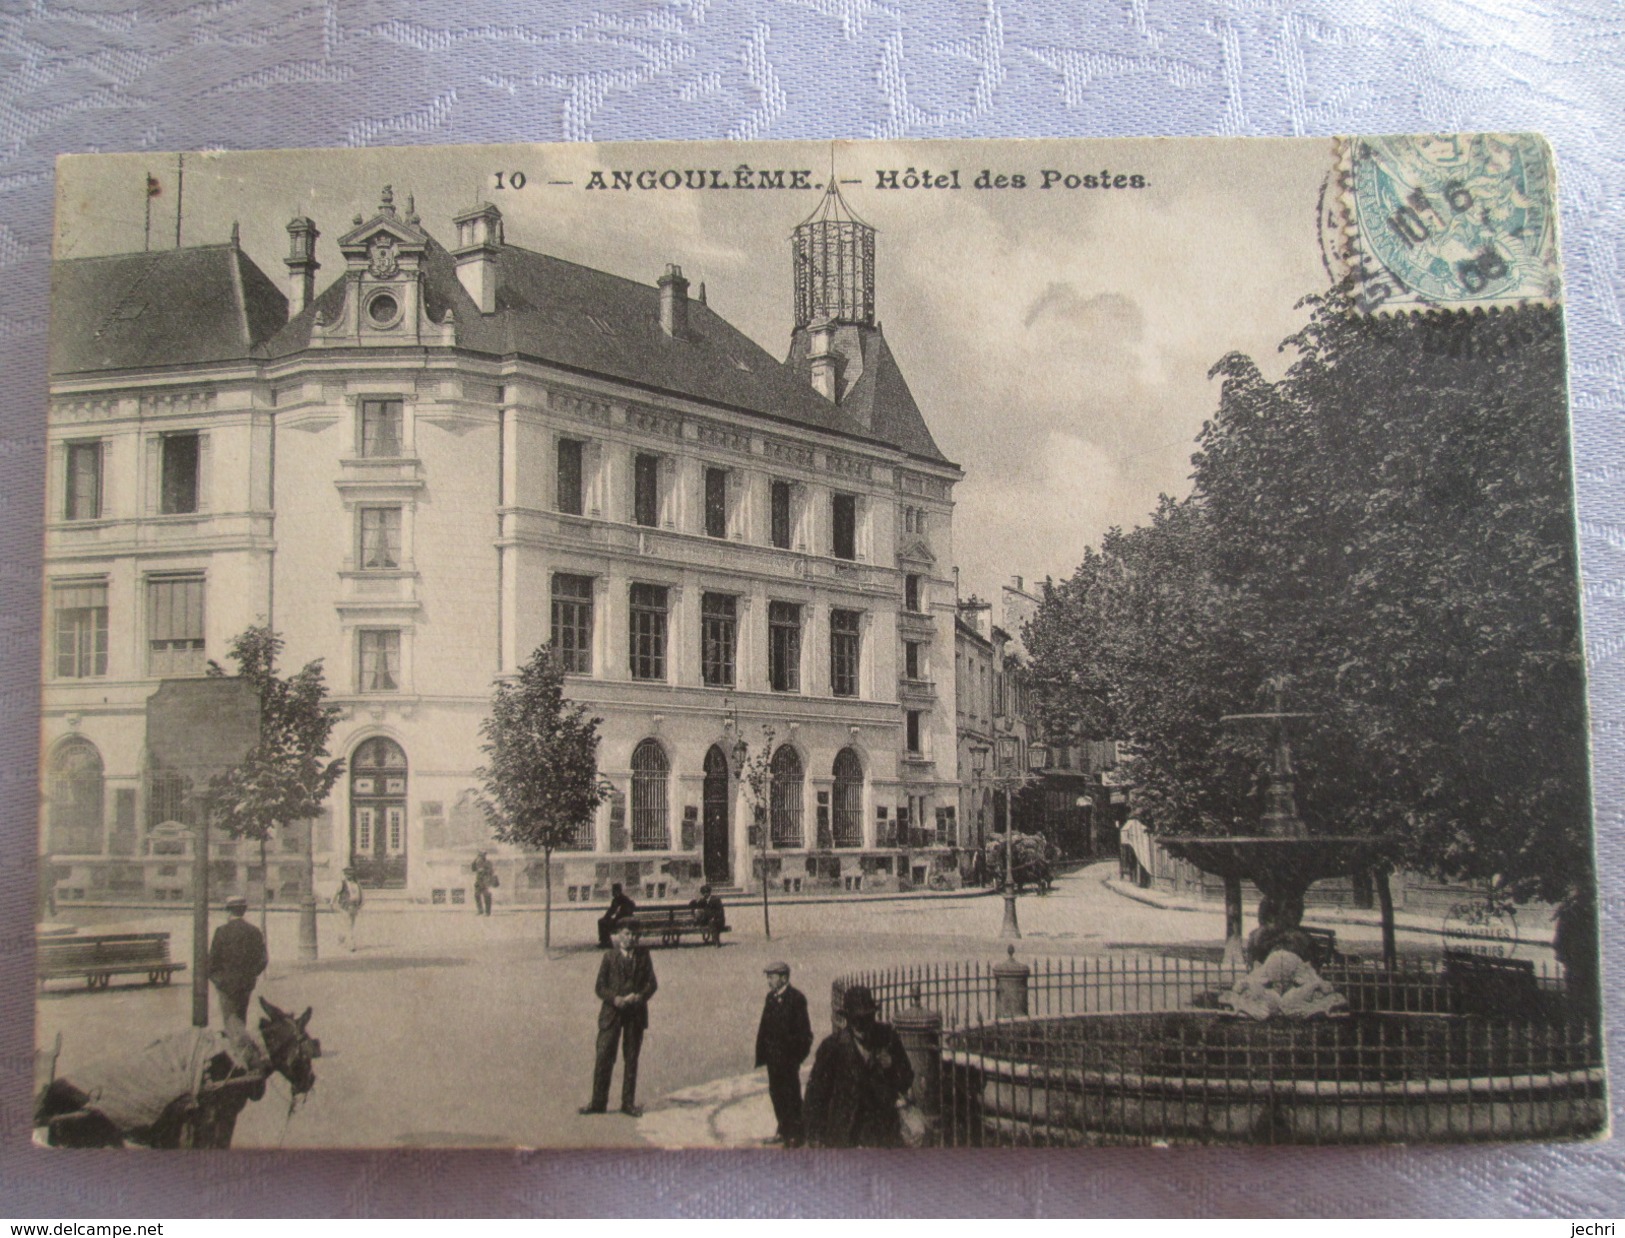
(169, 307)
(165, 308)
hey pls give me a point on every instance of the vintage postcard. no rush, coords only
(775, 645)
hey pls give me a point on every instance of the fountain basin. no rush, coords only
(1199, 1077)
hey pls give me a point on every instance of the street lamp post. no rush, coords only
(979, 772)
(1008, 780)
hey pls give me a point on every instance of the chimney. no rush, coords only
(673, 302)
(479, 242)
(302, 264)
(824, 362)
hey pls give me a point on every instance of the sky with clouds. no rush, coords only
(1057, 340)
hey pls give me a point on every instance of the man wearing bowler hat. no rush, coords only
(784, 1037)
(859, 1075)
(236, 958)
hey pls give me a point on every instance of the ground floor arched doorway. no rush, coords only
(714, 825)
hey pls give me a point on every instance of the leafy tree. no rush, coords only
(754, 771)
(541, 773)
(1390, 526)
(288, 774)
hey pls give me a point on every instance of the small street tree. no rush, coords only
(288, 774)
(540, 780)
(754, 772)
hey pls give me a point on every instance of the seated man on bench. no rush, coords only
(707, 909)
(620, 908)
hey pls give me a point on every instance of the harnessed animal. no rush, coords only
(137, 1101)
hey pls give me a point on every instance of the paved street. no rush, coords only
(448, 1029)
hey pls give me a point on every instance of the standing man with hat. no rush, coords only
(859, 1075)
(783, 1039)
(626, 982)
(237, 956)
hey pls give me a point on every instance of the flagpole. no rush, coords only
(180, 185)
(146, 198)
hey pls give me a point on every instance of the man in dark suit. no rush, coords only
(237, 956)
(626, 982)
(783, 1039)
(859, 1075)
(621, 907)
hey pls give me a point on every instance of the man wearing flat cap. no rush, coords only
(784, 1037)
(859, 1075)
(236, 958)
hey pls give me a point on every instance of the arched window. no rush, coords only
(649, 771)
(848, 799)
(786, 797)
(76, 799)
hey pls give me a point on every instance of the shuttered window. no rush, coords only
(175, 626)
(81, 629)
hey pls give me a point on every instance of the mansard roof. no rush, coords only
(188, 306)
(166, 307)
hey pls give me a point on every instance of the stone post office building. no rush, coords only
(446, 455)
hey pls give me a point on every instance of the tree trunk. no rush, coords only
(1235, 928)
(1385, 900)
(265, 890)
(547, 899)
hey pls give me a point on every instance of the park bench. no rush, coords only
(1485, 984)
(671, 924)
(101, 956)
(1324, 942)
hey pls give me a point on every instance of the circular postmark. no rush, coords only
(1444, 221)
(1479, 927)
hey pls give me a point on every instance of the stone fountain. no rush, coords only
(1284, 860)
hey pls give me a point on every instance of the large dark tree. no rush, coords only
(1391, 526)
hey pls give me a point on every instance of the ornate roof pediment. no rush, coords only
(916, 551)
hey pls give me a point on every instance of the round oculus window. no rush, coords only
(383, 309)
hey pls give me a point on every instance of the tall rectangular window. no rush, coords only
(912, 731)
(572, 623)
(911, 592)
(570, 476)
(845, 522)
(84, 497)
(781, 514)
(178, 474)
(175, 626)
(648, 632)
(843, 652)
(380, 660)
(381, 429)
(911, 659)
(719, 630)
(81, 628)
(646, 490)
(716, 502)
(380, 538)
(784, 646)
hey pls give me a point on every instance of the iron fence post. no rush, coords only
(1010, 981)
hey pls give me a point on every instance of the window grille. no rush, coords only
(649, 772)
(785, 797)
(848, 816)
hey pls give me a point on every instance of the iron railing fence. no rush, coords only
(966, 993)
(1429, 1051)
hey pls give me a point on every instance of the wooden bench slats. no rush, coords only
(99, 957)
(671, 924)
